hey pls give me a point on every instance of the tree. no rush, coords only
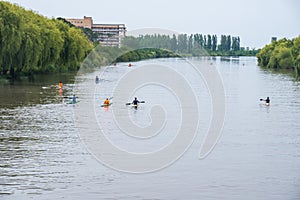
(296, 47)
(228, 43)
(190, 44)
(31, 43)
(201, 41)
(174, 43)
(214, 43)
(209, 42)
(223, 45)
(182, 43)
(11, 37)
(235, 46)
(297, 65)
(281, 58)
(263, 57)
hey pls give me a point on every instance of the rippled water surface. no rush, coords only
(257, 156)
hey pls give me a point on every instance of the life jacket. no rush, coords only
(106, 101)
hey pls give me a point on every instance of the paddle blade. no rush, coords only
(105, 105)
(127, 104)
(142, 101)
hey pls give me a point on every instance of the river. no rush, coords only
(44, 155)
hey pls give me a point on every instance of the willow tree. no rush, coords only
(31, 43)
(10, 37)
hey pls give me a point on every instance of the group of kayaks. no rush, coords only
(73, 99)
(107, 102)
(134, 103)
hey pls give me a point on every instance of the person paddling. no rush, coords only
(135, 101)
(267, 100)
(73, 99)
(60, 85)
(106, 102)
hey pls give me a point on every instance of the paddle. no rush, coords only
(67, 97)
(70, 102)
(105, 105)
(127, 104)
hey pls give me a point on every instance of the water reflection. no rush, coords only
(40, 90)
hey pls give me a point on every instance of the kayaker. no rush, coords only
(60, 85)
(106, 102)
(97, 79)
(73, 99)
(135, 101)
(267, 100)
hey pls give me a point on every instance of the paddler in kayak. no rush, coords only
(135, 102)
(267, 100)
(60, 85)
(73, 99)
(106, 102)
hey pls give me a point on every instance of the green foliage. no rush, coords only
(147, 53)
(31, 43)
(296, 47)
(281, 57)
(194, 44)
(282, 54)
(297, 65)
(264, 55)
(103, 56)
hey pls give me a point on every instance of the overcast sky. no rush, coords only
(255, 21)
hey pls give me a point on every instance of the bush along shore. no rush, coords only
(282, 54)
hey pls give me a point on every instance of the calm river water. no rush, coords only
(257, 157)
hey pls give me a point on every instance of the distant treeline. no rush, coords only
(31, 43)
(193, 45)
(146, 53)
(281, 54)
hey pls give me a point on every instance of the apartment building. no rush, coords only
(86, 22)
(108, 34)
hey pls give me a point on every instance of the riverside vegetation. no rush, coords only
(191, 45)
(281, 54)
(31, 43)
